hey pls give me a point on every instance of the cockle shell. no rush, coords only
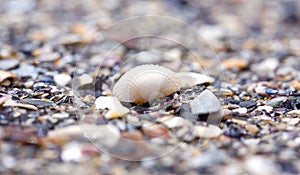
(147, 82)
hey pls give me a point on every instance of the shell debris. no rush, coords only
(116, 109)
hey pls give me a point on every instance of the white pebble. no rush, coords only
(62, 79)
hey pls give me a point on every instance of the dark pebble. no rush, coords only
(248, 104)
(271, 91)
(288, 167)
(233, 132)
(47, 79)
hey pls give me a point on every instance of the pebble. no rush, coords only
(26, 70)
(7, 64)
(85, 79)
(173, 122)
(37, 102)
(48, 57)
(251, 128)
(172, 55)
(265, 108)
(259, 165)
(210, 131)
(61, 115)
(241, 111)
(116, 109)
(155, 131)
(267, 66)
(148, 57)
(71, 152)
(13, 103)
(205, 103)
(62, 135)
(234, 63)
(62, 79)
(275, 102)
(102, 135)
(247, 104)
(296, 84)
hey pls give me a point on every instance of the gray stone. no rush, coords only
(275, 102)
(7, 64)
(205, 103)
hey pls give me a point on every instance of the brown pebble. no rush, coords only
(251, 128)
(134, 136)
(296, 84)
(233, 63)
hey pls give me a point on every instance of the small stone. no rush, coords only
(62, 79)
(21, 105)
(148, 57)
(71, 152)
(85, 79)
(296, 84)
(247, 104)
(271, 91)
(173, 122)
(251, 128)
(234, 63)
(173, 54)
(275, 102)
(265, 108)
(205, 103)
(116, 109)
(48, 57)
(210, 131)
(102, 135)
(266, 67)
(61, 115)
(241, 111)
(37, 102)
(27, 70)
(259, 165)
(62, 135)
(155, 131)
(7, 64)
(134, 135)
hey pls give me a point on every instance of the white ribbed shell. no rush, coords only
(147, 82)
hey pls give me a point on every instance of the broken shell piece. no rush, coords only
(116, 109)
(210, 131)
(5, 75)
(190, 79)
